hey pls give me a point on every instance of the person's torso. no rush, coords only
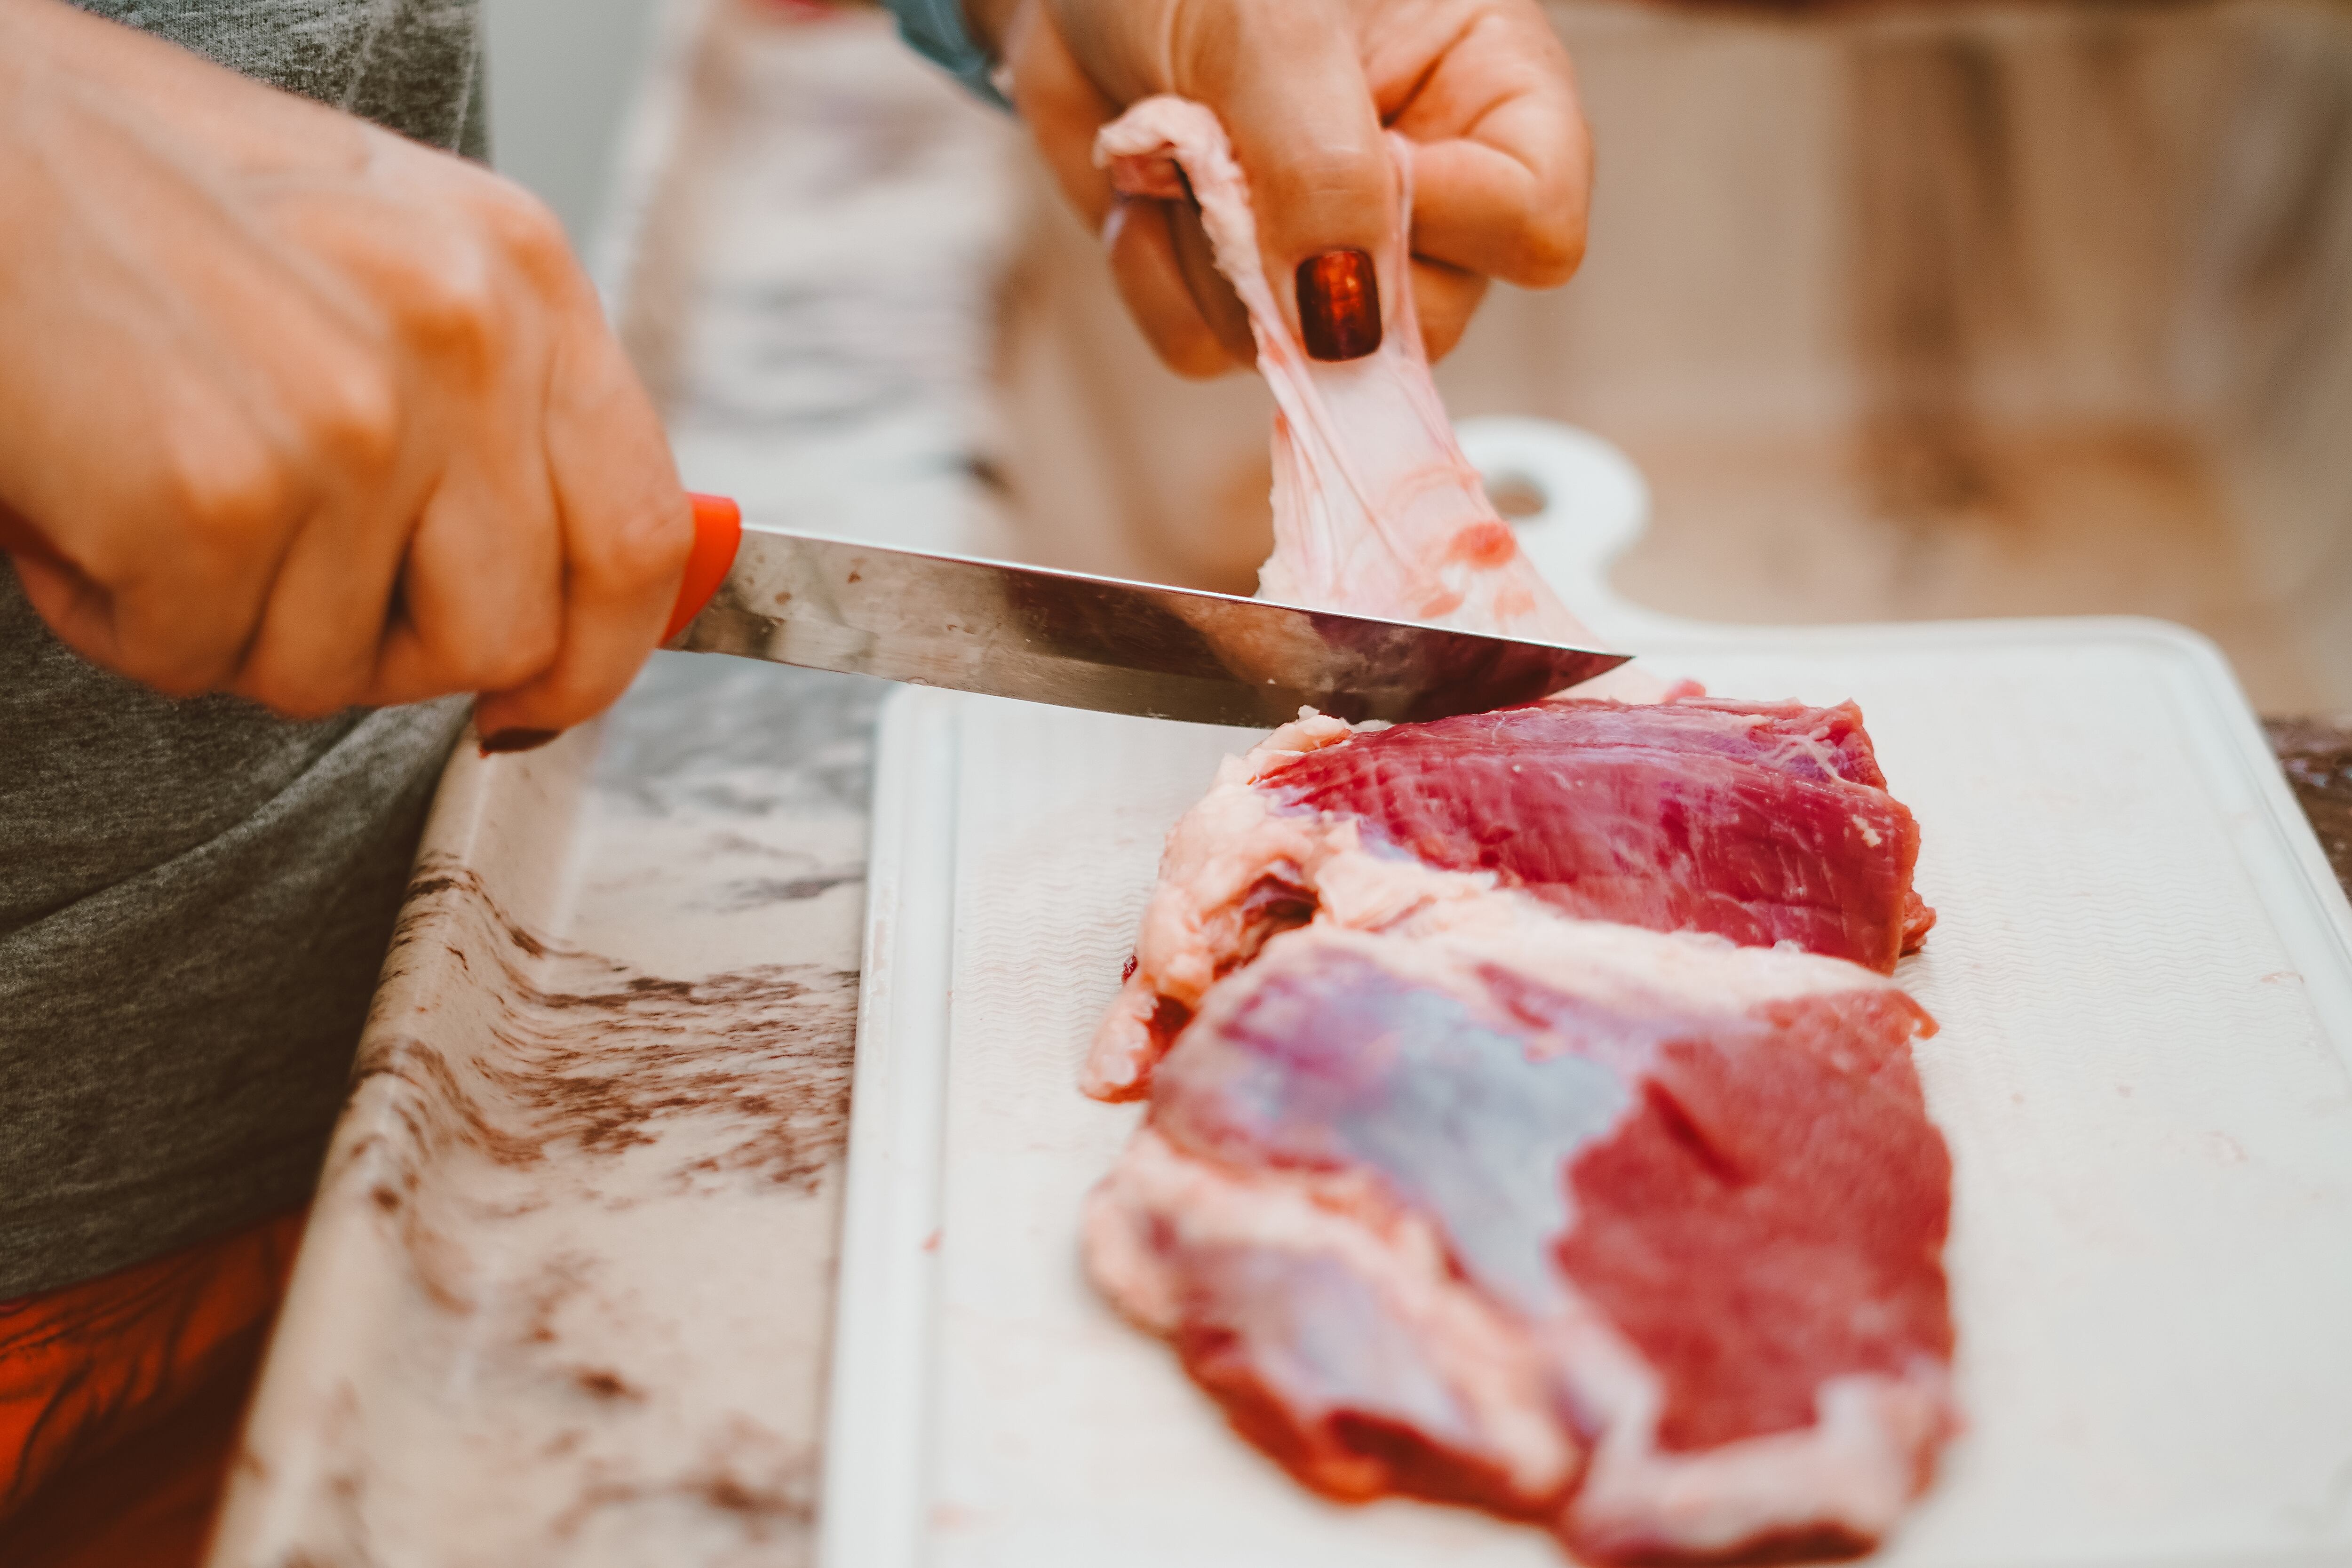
(412, 65)
(196, 896)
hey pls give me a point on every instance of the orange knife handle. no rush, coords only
(718, 531)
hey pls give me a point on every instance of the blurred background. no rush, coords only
(1906, 310)
(563, 76)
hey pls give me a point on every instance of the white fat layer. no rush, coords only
(1194, 927)
(1855, 1469)
(1519, 1387)
(1624, 965)
(1446, 942)
(1159, 1203)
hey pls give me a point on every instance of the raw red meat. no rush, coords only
(1760, 822)
(1637, 1234)
(1764, 822)
(1633, 1231)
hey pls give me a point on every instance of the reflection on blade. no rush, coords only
(1079, 641)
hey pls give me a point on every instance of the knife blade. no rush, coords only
(1083, 641)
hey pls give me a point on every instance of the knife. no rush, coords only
(1081, 641)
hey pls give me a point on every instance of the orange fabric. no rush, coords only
(89, 1371)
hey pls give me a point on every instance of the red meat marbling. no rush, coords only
(1509, 1179)
(1759, 822)
(1582, 1222)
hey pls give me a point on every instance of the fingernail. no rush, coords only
(516, 740)
(1340, 305)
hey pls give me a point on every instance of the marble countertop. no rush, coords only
(565, 1294)
(2317, 757)
(567, 1289)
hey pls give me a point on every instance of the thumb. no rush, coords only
(1286, 78)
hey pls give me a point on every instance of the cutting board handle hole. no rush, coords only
(1517, 496)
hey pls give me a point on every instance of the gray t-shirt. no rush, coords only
(196, 897)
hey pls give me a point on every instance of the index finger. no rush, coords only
(627, 527)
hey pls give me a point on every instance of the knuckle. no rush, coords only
(516, 666)
(655, 549)
(229, 494)
(465, 296)
(525, 228)
(1553, 249)
(355, 418)
(522, 657)
(644, 547)
(452, 305)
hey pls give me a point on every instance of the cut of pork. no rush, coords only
(1763, 823)
(1638, 1235)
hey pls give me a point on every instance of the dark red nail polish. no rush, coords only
(1340, 305)
(516, 740)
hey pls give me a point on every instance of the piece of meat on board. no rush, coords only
(1760, 822)
(1636, 1235)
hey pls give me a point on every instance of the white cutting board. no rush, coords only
(2143, 969)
